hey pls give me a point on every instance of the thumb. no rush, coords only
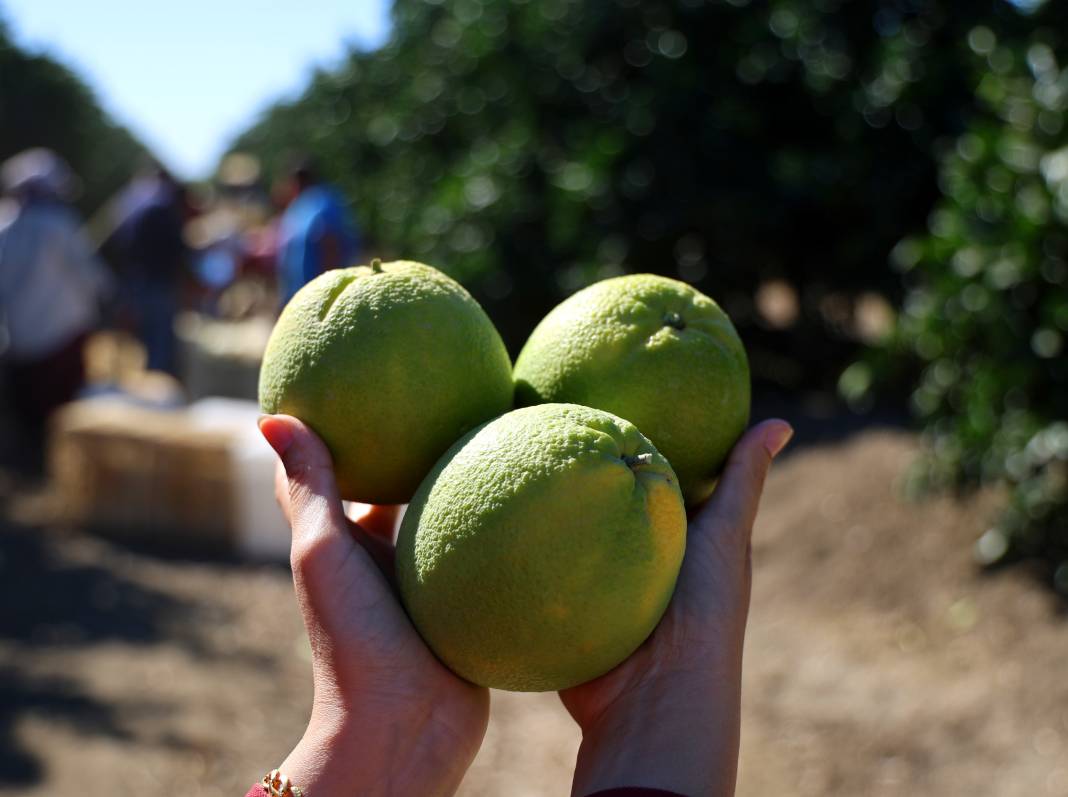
(315, 510)
(734, 503)
(334, 575)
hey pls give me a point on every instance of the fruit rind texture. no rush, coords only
(543, 548)
(389, 368)
(652, 350)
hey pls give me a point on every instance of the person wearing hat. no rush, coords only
(51, 285)
(148, 249)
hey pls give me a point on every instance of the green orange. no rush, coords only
(652, 350)
(390, 364)
(543, 548)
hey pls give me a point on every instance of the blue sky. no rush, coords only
(187, 75)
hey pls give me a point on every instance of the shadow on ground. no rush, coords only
(62, 593)
(46, 598)
(821, 418)
(58, 699)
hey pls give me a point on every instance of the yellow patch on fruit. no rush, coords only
(543, 548)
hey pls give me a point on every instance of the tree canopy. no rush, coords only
(532, 148)
(836, 151)
(45, 104)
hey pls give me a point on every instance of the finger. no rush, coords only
(378, 520)
(281, 491)
(373, 525)
(307, 493)
(380, 549)
(733, 505)
(333, 563)
(314, 503)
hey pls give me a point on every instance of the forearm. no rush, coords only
(342, 755)
(689, 746)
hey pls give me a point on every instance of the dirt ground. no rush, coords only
(879, 661)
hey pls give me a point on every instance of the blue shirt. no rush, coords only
(317, 212)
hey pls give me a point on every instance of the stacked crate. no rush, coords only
(193, 479)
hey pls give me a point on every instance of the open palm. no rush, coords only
(689, 670)
(668, 716)
(370, 665)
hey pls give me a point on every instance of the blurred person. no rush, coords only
(218, 248)
(51, 285)
(315, 233)
(151, 254)
(389, 718)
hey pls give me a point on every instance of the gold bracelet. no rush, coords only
(278, 785)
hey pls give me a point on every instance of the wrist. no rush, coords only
(324, 762)
(377, 755)
(688, 745)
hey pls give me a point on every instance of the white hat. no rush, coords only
(38, 169)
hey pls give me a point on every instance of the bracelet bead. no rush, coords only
(279, 785)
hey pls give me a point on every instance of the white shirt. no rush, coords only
(50, 280)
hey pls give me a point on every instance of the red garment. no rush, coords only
(259, 791)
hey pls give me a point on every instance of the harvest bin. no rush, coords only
(220, 358)
(197, 479)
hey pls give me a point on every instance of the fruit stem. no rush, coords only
(638, 460)
(376, 266)
(674, 320)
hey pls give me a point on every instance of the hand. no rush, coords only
(387, 716)
(669, 716)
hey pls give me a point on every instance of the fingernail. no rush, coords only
(776, 438)
(276, 433)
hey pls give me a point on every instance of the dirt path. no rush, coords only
(878, 661)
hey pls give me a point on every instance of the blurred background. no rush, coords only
(876, 191)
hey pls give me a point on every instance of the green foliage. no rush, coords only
(986, 313)
(532, 148)
(44, 104)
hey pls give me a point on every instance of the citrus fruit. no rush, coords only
(543, 548)
(390, 364)
(652, 350)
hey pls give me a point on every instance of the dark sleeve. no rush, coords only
(159, 244)
(631, 791)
